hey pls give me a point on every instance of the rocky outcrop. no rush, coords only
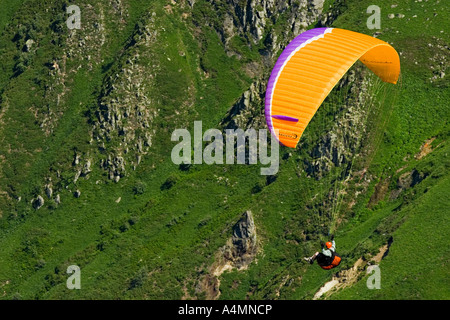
(239, 251)
(38, 202)
(242, 247)
(336, 9)
(439, 61)
(57, 199)
(28, 44)
(115, 167)
(255, 19)
(122, 122)
(48, 190)
(405, 181)
(246, 112)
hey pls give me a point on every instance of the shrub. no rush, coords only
(139, 278)
(139, 187)
(170, 182)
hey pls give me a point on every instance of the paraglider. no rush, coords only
(328, 258)
(303, 76)
(308, 69)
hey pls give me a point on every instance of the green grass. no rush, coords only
(415, 267)
(163, 237)
(9, 8)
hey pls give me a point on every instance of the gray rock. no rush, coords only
(405, 181)
(243, 247)
(28, 44)
(77, 175)
(86, 168)
(409, 179)
(244, 234)
(38, 202)
(76, 160)
(48, 191)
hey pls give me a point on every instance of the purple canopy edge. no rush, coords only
(292, 46)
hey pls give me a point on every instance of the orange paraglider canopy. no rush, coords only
(309, 68)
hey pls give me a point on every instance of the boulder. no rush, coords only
(38, 202)
(243, 245)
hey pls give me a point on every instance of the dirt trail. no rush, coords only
(425, 149)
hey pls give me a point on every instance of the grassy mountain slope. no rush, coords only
(156, 232)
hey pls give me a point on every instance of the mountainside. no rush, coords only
(87, 177)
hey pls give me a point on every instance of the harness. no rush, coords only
(326, 262)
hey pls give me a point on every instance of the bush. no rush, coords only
(257, 188)
(170, 182)
(19, 68)
(139, 278)
(139, 188)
